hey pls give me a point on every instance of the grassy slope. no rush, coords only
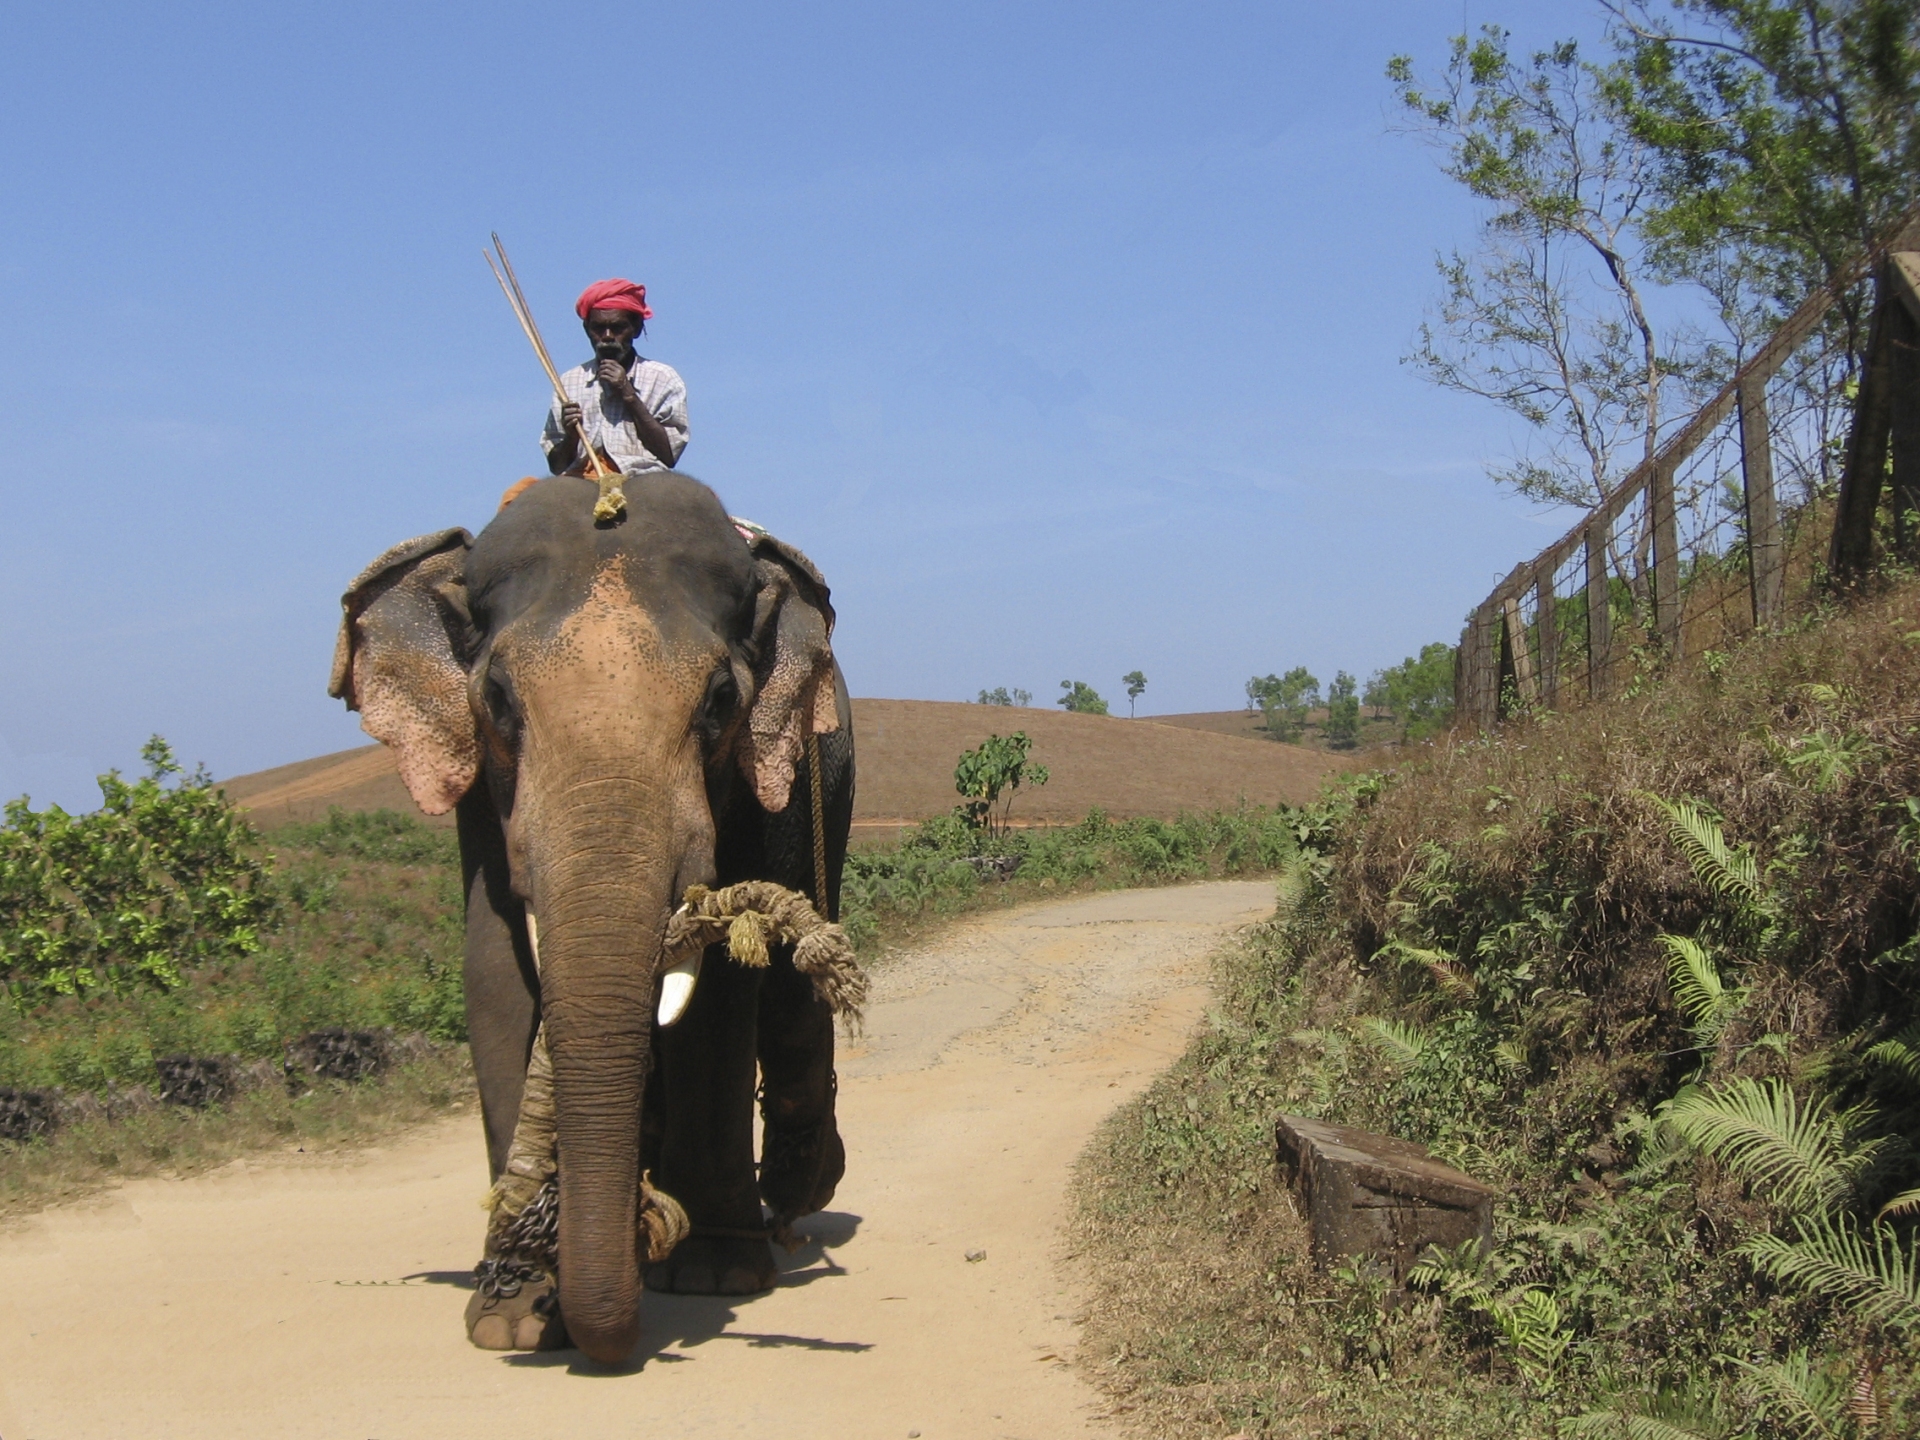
(1504, 901)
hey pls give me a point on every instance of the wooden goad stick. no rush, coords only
(612, 504)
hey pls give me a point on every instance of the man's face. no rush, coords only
(612, 333)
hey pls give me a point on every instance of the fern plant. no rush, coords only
(1729, 871)
(1869, 1273)
(1802, 1396)
(1527, 1318)
(1804, 1156)
(1401, 1041)
(1906, 1203)
(1693, 1412)
(1703, 997)
(1899, 1055)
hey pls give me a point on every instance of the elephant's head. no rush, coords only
(615, 687)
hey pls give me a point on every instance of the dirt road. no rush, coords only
(322, 1297)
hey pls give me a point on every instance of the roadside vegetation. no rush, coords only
(973, 858)
(1651, 970)
(946, 867)
(162, 927)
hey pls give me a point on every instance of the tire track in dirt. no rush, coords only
(322, 1297)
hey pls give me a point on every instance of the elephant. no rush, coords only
(616, 712)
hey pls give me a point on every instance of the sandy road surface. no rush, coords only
(323, 1298)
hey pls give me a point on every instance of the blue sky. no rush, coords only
(1065, 338)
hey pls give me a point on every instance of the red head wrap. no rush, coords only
(613, 295)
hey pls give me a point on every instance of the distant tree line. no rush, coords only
(1417, 693)
(1076, 696)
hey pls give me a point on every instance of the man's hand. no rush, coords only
(566, 449)
(613, 375)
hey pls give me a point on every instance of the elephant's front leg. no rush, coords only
(703, 1092)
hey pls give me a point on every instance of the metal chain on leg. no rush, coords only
(527, 1249)
(819, 829)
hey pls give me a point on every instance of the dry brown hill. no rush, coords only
(907, 749)
(1247, 724)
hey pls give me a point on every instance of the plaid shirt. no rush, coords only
(660, 389)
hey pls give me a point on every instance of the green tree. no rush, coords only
(1136, 683)
(1375, 696)
(163, 876)
(1548, 316)
(1000, 695)
(1343, 713)
(1787, 134)
(989, 777)
(1284, 701)
(1081, 698)
(1419, 691)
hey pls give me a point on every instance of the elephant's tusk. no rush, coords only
(533, 938)
(676, 986)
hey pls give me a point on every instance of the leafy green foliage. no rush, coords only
(1548, 317)
(355, 938)
(1785, 133)
(1479, 957)
(373, 835)
(991, 775)
(932, 872)
(1080, 698)
(163, 876)
(1284, 701)
(1136, 683)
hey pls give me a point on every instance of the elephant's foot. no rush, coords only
(710, 1262)
(799, 1167)
(515, 1307)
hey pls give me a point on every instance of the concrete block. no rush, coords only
(1367, 1194)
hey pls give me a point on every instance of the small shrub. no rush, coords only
(162, 877)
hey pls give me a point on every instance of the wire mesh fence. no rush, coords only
(1722, 530)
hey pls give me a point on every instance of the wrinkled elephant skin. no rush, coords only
(618, 712)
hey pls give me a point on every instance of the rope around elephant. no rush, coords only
(752, 916)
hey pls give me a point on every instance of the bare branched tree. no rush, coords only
(1548, 316)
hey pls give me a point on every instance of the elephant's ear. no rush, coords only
(793, 692)
(398, 662)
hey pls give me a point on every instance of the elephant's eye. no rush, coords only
(501, 710)
(717, 708)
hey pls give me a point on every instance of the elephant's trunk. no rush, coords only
(603, 908)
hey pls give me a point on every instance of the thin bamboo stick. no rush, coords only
(612, 502)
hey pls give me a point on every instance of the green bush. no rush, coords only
(353, 921)
(162, 877)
